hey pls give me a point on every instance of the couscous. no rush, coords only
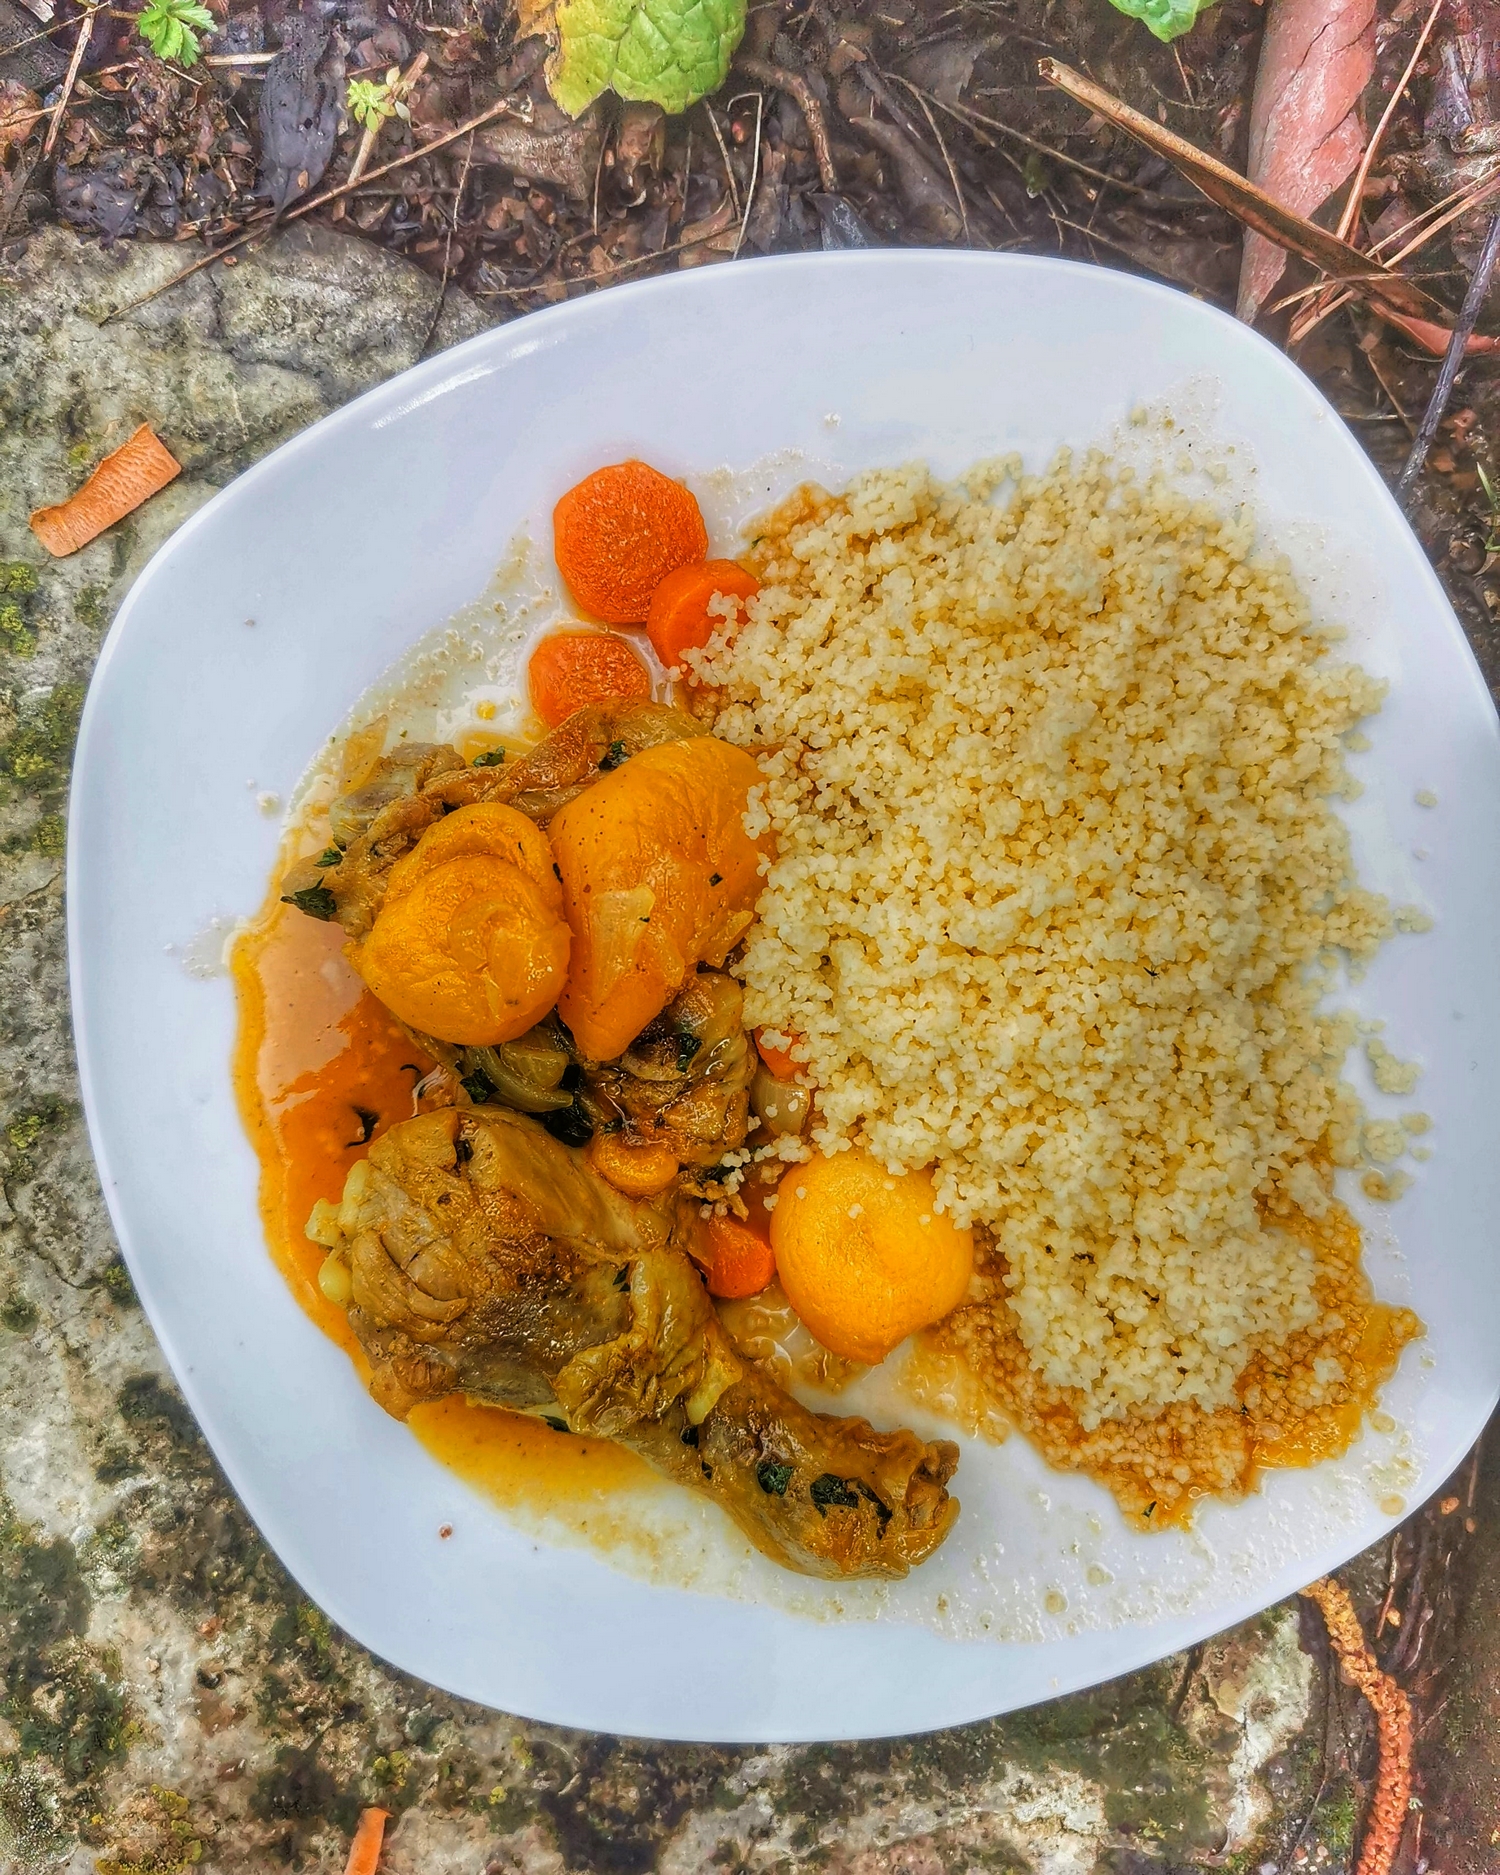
(1057, 895)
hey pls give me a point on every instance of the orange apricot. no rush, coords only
(470, 944)
(639, 1169)
(864, 1255)
(658, 876)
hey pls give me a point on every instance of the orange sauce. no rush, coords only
(320, 1068)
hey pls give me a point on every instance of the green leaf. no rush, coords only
(1168, 19)
(171, 28)
(666, 52)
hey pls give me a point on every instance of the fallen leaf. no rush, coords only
(553, 148)
(1316, 58)
(666, 52)
(299, 110)
(141, 467)
(1433, 337)
(20, 113)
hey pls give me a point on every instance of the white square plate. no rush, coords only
(382, 521)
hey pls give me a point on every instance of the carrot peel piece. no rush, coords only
(364, 1851)
(141, 467)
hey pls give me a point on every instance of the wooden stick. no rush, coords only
(796, 86)
(80, 46)
(1247, 203)
(1351, 208)
(367, 142)
(1479, 286)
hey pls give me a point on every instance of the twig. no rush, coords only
(80, 46)
(969, 117)
(1479, 194)
(263, 221)
(1463, 329)
(796, 86)
(372, 131)
(240, 58)
(1356, 194)
(760, 108)
(734, 187)
(958, 193)
(1247, 203)
(458, 202)
(881, 92)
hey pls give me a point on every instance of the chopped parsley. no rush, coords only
(316, 900)
(687, 1046)
(613, 756)
(330, 856)
(478, 1086)
(557, 1425)
(774, 1477)
(491, 758)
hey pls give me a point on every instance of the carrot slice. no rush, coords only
(679, 619)
(619, 533)
(141, 467)
(364, 1851)
(743, 1264)
(780, 1063)
(570, 669)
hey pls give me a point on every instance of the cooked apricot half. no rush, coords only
(470, 944)
(658, 876)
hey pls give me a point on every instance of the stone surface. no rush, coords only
(169, 1699)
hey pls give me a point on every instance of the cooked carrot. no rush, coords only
(742, 1264)
(679, 619)
(778, 1060)
(141, 467)
(364, 1851)
(619, 533)
(570, 669)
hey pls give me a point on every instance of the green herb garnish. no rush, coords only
(330, 856)
(613, 756)
(478, 1086)
(316, 900)
(492, 758)
(773, 1478)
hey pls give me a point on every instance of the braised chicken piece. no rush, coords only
(477, 1254)
(682, 1085)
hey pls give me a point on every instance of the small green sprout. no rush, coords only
(1492, 496)
(374, 101)
(171, 28)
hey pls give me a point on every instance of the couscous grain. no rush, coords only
(1057, 889)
